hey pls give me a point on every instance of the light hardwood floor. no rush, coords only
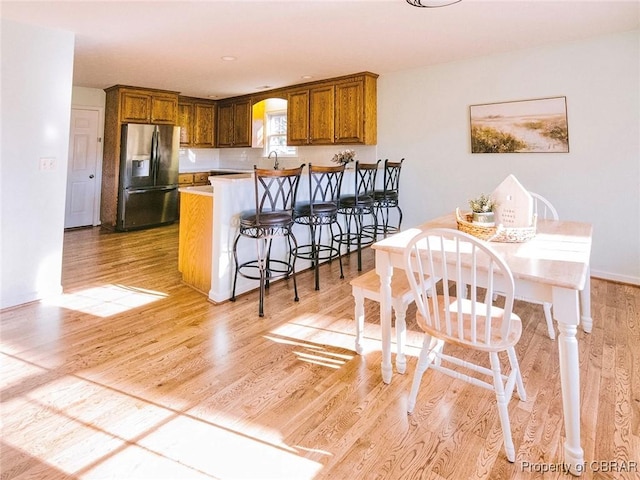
(132, 374)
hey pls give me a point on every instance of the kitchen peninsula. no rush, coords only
(208, 227)
(209, 218)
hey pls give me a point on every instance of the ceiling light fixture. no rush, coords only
(228, 58)
(432, 3)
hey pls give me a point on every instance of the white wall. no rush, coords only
(88, 97)
(36, 105)
(423, 115)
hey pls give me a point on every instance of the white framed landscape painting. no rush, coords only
(525, 126)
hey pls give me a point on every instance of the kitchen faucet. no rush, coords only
(275, 165)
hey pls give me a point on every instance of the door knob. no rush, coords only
(91, 176)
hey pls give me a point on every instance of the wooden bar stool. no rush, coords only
(354, 206)
(275, 197)
(321, 212)
(367, 285)
(388, 198)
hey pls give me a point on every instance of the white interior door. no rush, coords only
(83, 163)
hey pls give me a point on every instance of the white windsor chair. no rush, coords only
(464, 263)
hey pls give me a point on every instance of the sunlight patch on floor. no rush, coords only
(14, 371)
(107, 300)
(322, 360)
(309, 333)
(310, 352)
(91, 430)
(318, 330)
(225, 453)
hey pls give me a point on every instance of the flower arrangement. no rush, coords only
(344, 157)
(482, 204)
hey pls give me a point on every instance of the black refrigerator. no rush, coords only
(148, 187)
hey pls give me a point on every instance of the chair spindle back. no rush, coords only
(464, 264)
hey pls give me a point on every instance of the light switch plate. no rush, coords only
(48, 163)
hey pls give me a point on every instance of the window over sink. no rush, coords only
(269, 129)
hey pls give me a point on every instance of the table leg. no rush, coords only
(585, 304)
(384, 271)
(400, 312)
(566, 311)
(359, 315)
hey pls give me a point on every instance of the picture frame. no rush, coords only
(524, 126)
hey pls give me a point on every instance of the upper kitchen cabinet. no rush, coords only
(185, 121)
(204, 124)
(356, 111)
(196, 118)
(146, 105)
(340, 111)
(234, 123)
(310, 116)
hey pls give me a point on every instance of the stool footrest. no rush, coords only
(274, 269)
(354, 239)
(324, 252)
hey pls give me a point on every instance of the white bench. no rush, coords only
(367, 285)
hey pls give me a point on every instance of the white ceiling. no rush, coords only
(178, 45)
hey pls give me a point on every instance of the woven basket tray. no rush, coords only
(495, 234)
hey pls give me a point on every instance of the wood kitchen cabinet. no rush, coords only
(298, 118)
(147, 106)
(196, 118)
(234, 123)
(340, 111)
(310, 116)
(185, 122)
(195, 239)
(204, 124)
(124, 104)
(356, 111)
(193, 179)
(185, 179)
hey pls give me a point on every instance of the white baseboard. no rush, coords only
(614, 277)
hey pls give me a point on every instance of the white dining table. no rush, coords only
(553, 267)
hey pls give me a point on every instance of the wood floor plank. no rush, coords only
(132, 374)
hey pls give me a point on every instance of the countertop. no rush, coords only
(214, 171)
(206, 190)
(231, 178)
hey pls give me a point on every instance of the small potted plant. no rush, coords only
(482, 209)
(345, 157)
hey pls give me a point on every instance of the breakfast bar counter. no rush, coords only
(208, 226)
(209, 220)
